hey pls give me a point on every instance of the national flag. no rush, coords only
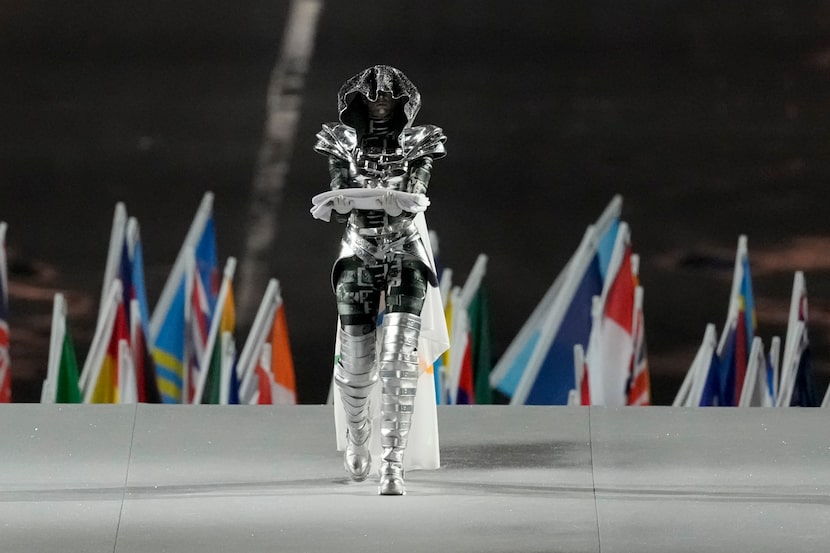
(170, 329)
(610, 354)
(101, 369)
(125, 261)
(729, 355)
(470, 346)
(264, 394)
(440, 366)
(798, 381)
(481, 333)
(145, 370)
(199, 324)
(460, 373)
(639, 384)
(740, 321)
(252, 358)
(282, 362)
(138, 314)
(706, 390)
(805, 390)
(465, 392)
(211, 382)
(802, 390)
(537, 367)
(266, 365)
(5, 359)
(169, 347)
(62, 376)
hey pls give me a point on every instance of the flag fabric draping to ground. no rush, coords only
(537, 367)
(5, 359)
(61, 384)
(611, 345)
(169, 325)
(211, 381)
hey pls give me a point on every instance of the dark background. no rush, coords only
(710, 118)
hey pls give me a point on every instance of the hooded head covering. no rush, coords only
(368, 83)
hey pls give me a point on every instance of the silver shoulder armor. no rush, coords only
(423, 140)
(336, 140)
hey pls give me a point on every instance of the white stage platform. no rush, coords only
(148, 478)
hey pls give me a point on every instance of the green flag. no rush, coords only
(481, 336)
(67, 390)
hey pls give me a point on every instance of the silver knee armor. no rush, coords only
(399, 378)
(355, 376)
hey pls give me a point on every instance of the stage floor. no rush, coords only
(203, 478)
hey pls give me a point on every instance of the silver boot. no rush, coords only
(355, 375)
(399, 378)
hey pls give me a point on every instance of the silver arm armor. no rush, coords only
(421, 170)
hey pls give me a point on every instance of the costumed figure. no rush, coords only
(380, 168)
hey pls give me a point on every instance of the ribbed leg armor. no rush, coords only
(399, 378)
(355, 375)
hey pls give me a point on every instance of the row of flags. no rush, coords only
(185, 352)
(584, 343)
(735, 370)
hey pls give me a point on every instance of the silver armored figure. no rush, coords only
(375, 147)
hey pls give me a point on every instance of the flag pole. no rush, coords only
(117, 233)
(55, 347)
(249, 356)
